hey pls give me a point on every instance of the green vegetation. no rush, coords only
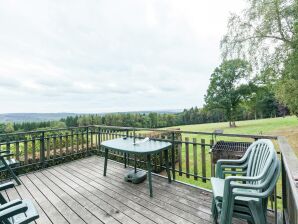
(270, 126)
(265, 34)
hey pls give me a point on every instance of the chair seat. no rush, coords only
(30, 215)
(10, 162)
(218, 191)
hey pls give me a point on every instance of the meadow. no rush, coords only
(287, 126)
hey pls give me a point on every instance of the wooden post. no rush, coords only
(33, 149)
(72, 137)
(211, 155)
(203, 158)
(17, 151)
(26, 151)
(195, 159)
(48, 147)
(180, 157)
(66, 143)
(55, 146)
(173, 156)
(187, 156)
(42, 149)
(60, 144)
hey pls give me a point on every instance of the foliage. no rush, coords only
(262, 34)
(225, 90)
(9, 127)
(287, 88)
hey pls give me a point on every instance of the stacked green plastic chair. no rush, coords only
(245, 196)
(16, 211)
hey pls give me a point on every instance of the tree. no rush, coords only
(9, 127)
(287, 87)
(263, 33)
(225, 90)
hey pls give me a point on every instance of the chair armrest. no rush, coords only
(10, 204)
(6, 186)
(243, 178)
(12, 211)
(242, 166)
(234, 172)
(7, 155)
(4, 151)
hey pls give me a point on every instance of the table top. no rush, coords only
(127, 145)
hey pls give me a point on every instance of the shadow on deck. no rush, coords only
(77, 192)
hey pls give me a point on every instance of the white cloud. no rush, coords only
(95, 56)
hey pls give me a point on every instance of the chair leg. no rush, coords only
(214, 211)
(226, 214)
(257, 215)
(149, 174)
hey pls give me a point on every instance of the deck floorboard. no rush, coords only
(77, 192)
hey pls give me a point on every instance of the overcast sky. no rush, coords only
(106, 56)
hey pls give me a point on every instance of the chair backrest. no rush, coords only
(262, 156)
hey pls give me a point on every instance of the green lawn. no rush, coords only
(271, 126)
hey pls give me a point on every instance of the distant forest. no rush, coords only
(193, 115)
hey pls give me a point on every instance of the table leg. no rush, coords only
(149, 174)
(106, 162)
(125, 160)
(135, 166)
(167, 165)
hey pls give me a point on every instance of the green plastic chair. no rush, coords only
(246, 197)
(6, 163)
(16, 211)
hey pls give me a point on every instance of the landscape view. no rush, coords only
(205, 81)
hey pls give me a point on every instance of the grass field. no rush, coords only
(287, 127)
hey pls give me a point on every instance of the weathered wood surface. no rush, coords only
(77, 192)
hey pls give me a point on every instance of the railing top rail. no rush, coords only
(189, 132)
(290, 163)
(43, 130)
(143, 129)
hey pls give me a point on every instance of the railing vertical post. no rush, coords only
(18, 150)
(284, 189)
(211, 155)
(72, 135)
(99, 138)
(203, 158)
(42, 149)
(195, 158)
(187, 156)
(87, 136)
(173, 155)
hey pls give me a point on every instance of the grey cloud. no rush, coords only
(80, 56)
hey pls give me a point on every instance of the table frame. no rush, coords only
(149, 167)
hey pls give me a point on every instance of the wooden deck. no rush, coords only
(77, 192)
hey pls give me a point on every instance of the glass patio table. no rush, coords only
(133, 146)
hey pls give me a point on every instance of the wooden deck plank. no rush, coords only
(70, 201)
(182, 191)
(198, 197)
(154, 205)
(25, 194)
(119, 212)
(119, 199)
(90, 202)
(77, 192)
(12, 194)
(118, 185)
(65, 210)
(54, 214)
